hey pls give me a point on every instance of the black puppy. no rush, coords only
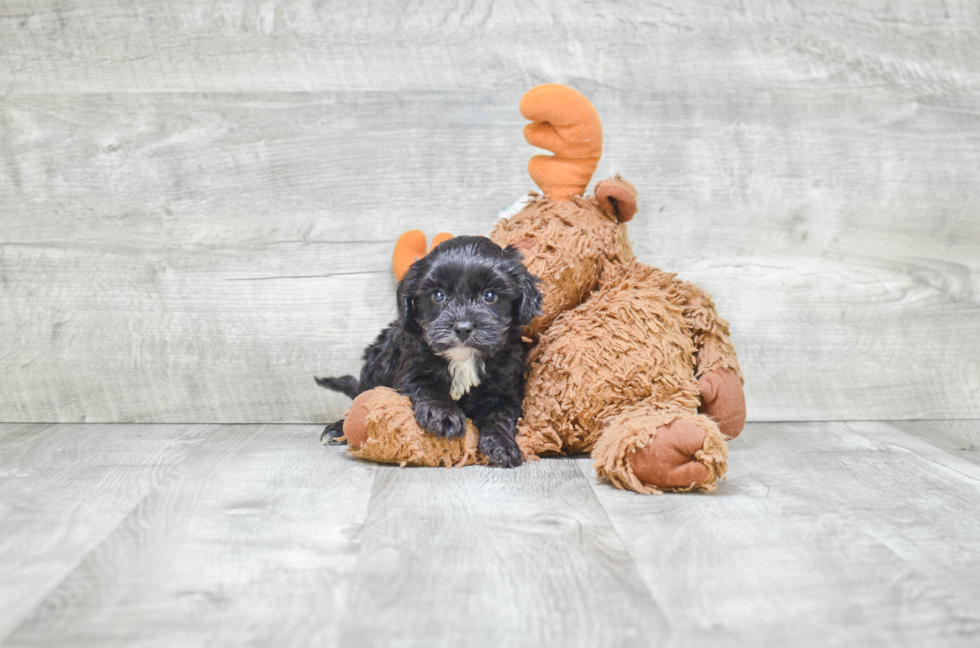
(455, 349)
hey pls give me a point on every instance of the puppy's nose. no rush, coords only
(463, 330)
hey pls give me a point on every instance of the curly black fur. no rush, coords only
(467, 300)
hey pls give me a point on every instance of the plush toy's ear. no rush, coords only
(439, 238)
(529, 306)
(409, 248)
(617, 197)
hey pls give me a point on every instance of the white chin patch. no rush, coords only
(464, 368)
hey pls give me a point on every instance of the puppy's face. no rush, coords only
(467, 295)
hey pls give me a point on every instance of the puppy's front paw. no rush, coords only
(440, 420)
(332, 433)
(501, 450)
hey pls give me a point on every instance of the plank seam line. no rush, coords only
(319, 276)
(95, 546)
(950, 463)
(348, 587)
(590, 483)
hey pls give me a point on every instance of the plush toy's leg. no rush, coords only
(381, 427)
(723, 399)
(649, 450)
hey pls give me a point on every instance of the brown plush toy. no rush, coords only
(628, 362)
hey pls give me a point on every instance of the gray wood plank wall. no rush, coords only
(198, 201)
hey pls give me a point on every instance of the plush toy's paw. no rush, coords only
(333, 434)
(649, 449)
(669, 459)
(723, 399)
(381, 427)
(355, 425)
(501, 450)
(440, 419)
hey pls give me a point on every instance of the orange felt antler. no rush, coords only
(409, 248)
(566, 124)
(439, 238)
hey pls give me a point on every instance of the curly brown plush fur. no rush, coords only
(623, 354)
(570, 242)
(623, 346)
(629, 362)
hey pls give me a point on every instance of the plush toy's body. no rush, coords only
(624, 355)
(619, 348)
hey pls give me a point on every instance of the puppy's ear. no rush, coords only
(406, 299)
(529, 305)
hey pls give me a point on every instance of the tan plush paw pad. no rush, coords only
(669, 459)
(355, 425)
(723, 399)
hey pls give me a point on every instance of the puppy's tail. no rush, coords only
(346, 385)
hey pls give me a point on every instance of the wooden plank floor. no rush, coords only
(851, 534)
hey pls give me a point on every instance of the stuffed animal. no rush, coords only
(627, 362)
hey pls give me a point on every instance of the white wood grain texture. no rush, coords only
(959, 438)
(937, 458)
(21, 435)
(63, 489)
(815, 167)
(234, 45)
(824, 534)
(852, 338)
(136, 304)
(255, 169)
(223, 336)
(185, 335)
(249, 542)
(491, 557)
(821, 172)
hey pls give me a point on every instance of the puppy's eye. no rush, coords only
(489, 297)
(438, 296)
